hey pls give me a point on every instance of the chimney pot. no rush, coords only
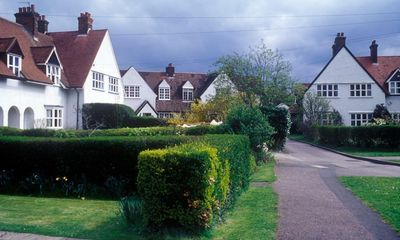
(340, 42)
(85, 23)
(43, 24)
(170, 70)
(374, 51)
(28, 18)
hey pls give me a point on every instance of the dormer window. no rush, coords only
(188, 94)
(54, 73)
(14, 63)
(394, 87)
(164, 93)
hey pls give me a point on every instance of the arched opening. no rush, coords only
(29, 118)
(13, 117)
(1, 117)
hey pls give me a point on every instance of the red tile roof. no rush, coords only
(41, 54)
(5, 44)
(30, 70)
(200, 82)
(381, 71)
(77, 53)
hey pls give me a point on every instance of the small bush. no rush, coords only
(105, 115)
(251, 122)
(7, 131)
(131, 208)
(140, 122)
(204, 129)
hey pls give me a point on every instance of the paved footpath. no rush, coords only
(314, 205)
(27, 236)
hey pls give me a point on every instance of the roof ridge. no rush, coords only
(175, 72)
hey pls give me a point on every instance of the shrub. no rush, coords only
(251, 122)
(7, 131)
(165, 190)
(204, 129)
(131, 208)
(84, 161)
(105, 115)
(183, 186)
(279, 119)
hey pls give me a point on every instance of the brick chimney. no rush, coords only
(374, 52)
(340, 41)
(43, 24)
(170, 70)
(27, 17)
(85, 23)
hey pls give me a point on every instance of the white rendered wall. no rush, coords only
(25, 95)
(132, 77)
(344, 70)
(393, 104)
(105, 63)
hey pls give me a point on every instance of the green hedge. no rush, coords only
(105, 115)
(363, 136)
(98, 161)
(192, 185)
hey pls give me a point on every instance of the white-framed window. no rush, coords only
(14, 63)
(187, 94)
(132, 91)
(113, 84)
(325, 119)
(98, 81)
(396, 117)
(54, 117)
(165, 115)
(327, 90)
(360, 90)
(358, 119)
(394, 87)
(54, 73)
(164, 93)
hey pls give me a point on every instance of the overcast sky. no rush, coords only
(192, 34)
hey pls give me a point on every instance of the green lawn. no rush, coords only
(254, 217)
(380, 193)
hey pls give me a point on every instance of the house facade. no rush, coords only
(355, 85)
(162, 94)
(46, 77)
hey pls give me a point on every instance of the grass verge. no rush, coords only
(254, 216)
(380, 193)
(256, 212)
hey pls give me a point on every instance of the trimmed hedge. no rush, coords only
(105, 115)
(363, 136)
(191, 185)
(141, 122)
(87, 161)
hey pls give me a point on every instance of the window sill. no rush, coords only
(164, 99)
(98, 89)
(115, 93)
(133, 97)
(330, 97)
(363, 97)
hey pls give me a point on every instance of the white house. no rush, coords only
(164, 93)
(45, 78)
(355, 85)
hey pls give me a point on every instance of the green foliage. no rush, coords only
(204, 129)
(140, 122)
(251, 122)
(192, 185)
(381, 111)
(182, 186)
(89, 164)
(313, 107)
(131, 208)
(363, 136)
(105, 115)
(261, 75)
(279, 119)
(7, 131)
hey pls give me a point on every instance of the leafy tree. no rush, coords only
(260, 76)
(382, 112)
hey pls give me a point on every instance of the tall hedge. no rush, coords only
(82, 160)
(193, 184)
(105, 115)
